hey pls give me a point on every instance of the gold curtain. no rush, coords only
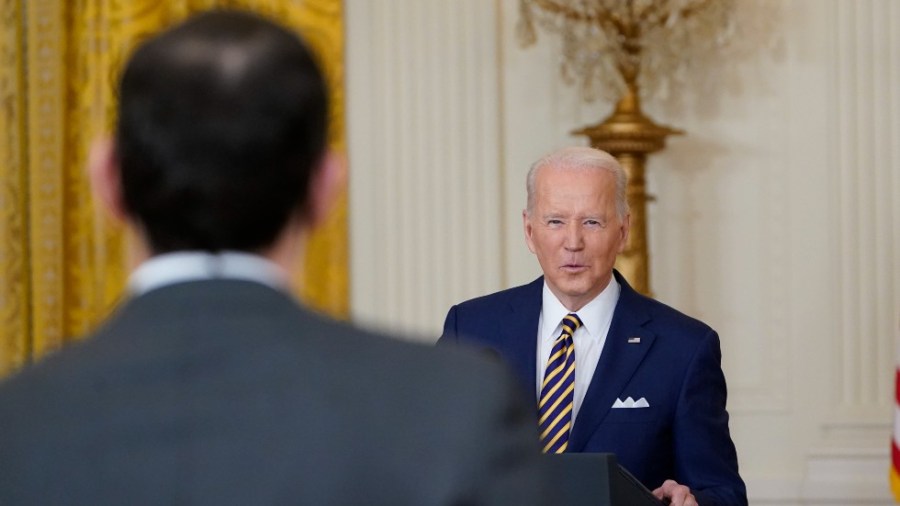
(63, 265)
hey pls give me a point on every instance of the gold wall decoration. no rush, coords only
(619, 49)
(14, 281)
(63, 264)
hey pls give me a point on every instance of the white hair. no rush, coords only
(580, 157)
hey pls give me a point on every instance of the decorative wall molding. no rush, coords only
(864, 170)
(424, 154)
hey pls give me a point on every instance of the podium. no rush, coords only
(595, 479)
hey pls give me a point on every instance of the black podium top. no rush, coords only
(595, 479)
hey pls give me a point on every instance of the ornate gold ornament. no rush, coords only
(621, 49)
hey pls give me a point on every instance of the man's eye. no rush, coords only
(554, 222)
(592, 223)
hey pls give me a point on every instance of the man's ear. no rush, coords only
(105, 178)
(624, 231)
(326, 181)
(529, 230)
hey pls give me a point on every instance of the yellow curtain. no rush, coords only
(63, 265)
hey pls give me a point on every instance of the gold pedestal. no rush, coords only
(630, 136)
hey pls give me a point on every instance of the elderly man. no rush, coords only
(212, 384)
(610, 369)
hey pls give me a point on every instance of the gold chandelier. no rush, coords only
(620, 50)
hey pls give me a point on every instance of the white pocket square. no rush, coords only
(631, 403)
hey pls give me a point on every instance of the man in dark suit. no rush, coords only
(612, 370)
(211, 384)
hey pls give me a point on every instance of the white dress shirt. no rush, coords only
(596, 317)
(170, 268)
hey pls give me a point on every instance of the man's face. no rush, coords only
(575, 231)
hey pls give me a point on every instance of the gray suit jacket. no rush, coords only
(229, 392)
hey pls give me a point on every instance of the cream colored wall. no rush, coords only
(777, 217)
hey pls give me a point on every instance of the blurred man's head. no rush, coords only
(221, 136)
(576, 221)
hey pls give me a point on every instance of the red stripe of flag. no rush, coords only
(895, 455)
(897, 387)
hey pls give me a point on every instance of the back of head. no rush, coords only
(222, 121)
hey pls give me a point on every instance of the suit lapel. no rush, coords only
(616, 366)
(518, 338)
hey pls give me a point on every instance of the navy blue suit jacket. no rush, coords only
(675, 366)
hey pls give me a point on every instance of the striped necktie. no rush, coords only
(555, 405)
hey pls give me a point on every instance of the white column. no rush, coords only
(865, 176)
(422, 85)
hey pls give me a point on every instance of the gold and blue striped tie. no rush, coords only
(557, 390)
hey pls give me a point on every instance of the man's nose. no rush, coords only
(574, 237)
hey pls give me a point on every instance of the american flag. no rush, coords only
(895, 451)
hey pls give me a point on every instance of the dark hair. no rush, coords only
(222, 120)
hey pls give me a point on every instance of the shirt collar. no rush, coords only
(170, 268)
(594, 316)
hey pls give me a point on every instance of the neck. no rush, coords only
(286, 251)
